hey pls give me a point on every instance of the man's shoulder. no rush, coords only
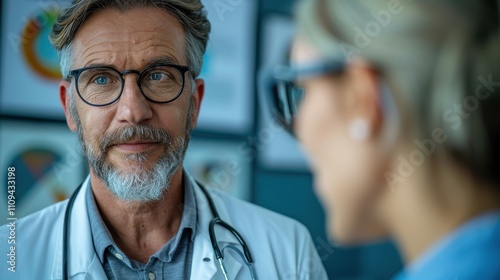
(31, 242)
(255, 215)
(44, 218)
(280, 240)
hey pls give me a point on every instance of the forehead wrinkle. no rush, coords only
(124, 39)
(119, 35)
(153, 52)
(141, 52)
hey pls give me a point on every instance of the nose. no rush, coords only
(133, 107)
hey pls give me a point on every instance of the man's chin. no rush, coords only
(134, 162)
(139, 157)
(134, 168)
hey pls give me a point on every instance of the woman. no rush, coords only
(398, 105)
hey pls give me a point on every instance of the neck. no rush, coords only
(422, 211)
(141, 229)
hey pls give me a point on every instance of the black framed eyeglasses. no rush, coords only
(103, 85)
(282, 92)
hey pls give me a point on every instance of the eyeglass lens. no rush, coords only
(287, 98)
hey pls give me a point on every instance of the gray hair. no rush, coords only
(190, 13)
(435, 55)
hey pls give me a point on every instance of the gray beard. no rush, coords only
(142, 184)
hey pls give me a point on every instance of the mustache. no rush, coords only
(138, 132)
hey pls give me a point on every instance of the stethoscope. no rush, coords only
(211, 230)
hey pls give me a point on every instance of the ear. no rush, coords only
(64, 92)
(364, 95)
(198, 93)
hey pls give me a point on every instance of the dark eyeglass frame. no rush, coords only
(275, 80)
(76, 74)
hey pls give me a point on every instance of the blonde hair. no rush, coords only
(190, 13)
(440, 59)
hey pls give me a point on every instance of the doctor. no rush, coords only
(131, 93)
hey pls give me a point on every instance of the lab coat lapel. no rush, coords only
(204, 264)
(83, 262)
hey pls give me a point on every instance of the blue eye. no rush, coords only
(156, 76)
(101, 80)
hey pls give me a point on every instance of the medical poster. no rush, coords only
(220, 165)
(30, 69)
(229, 67)
(46, 171)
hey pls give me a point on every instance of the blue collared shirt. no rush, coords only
(471, 252)
(172, 261)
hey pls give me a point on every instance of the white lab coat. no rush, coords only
(281, 247)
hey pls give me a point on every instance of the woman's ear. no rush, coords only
(364, 104)
(64, 92)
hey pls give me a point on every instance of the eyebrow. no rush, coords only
(151, 62)
(162, 60)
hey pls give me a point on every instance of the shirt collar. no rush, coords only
(102, 238)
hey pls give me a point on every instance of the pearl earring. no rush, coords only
(359, 129)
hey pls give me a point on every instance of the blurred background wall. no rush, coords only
(236, 147)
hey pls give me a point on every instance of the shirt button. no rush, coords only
(206, 259)
(151, 276)
(119, 256)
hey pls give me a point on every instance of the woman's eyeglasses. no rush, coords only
(282, 92)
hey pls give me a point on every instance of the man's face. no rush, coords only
(133, 143)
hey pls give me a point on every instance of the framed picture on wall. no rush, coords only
(29, 65)
(47, 160)
(220, 165)
(228, 69)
